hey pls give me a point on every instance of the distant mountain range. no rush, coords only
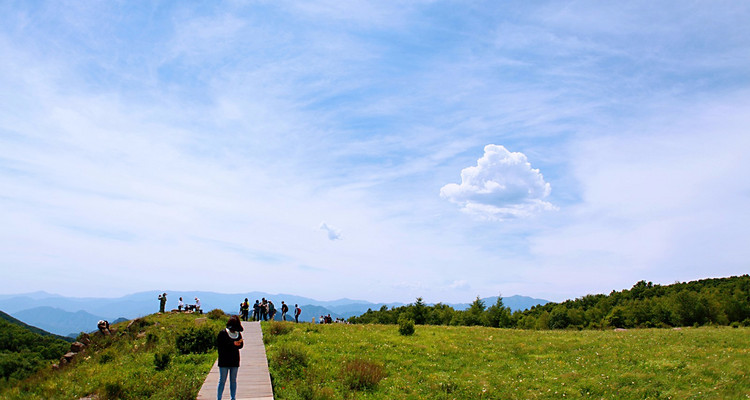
(68, 316)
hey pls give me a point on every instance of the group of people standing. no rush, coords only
(264, 310)
(180, 304)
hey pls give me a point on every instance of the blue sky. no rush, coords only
(372, 150)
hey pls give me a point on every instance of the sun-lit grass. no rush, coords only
(129, 365)
(440, 362)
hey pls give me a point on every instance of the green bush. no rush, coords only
(161, 361)
(362, 374)
(196, 340)
(216, 314)
(406, 327)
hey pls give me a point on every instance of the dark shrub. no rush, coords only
(196, 340)
(362, 374)
(113, 390)
(105, 358)
(161, 361)
(151, 339)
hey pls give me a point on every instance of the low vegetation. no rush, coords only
(721, 301)
(341, 361)
(162, 356)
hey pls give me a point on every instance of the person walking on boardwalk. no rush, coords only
(162, 302)
(284, 310)
(229, 342)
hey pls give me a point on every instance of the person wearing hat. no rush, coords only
(229, 342)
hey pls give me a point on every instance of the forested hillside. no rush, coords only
(721, 301)
(34, 329)
(22, 352)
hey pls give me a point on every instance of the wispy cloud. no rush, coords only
(333, 233)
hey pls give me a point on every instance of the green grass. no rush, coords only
(124, 366)
(440, 362)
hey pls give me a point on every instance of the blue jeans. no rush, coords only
(232, 381)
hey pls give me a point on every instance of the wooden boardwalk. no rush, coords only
(253, 379)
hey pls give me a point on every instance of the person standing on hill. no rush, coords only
(180, 305)
(245, 309)
(271, 310)
(264, 309)
(297, 312)
(162, 302)
(284, 310)
(256, 311)
(229, 342)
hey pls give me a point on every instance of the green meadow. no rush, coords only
(441, 362)
(168, 356)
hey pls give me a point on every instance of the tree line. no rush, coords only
(720, 301)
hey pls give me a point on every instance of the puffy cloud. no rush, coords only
(502, 185)
(333, 233)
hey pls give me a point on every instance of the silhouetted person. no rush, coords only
(162, 302)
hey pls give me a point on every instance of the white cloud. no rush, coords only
(502, 185)
(459, 285)
(333, 233)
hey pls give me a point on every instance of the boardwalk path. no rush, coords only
(253, 380)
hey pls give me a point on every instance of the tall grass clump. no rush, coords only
(362, 374)
(280, 328)
(289, 360)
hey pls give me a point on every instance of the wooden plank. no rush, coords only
(253, 379)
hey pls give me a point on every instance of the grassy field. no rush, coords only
(439, 362)
(123, 366)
